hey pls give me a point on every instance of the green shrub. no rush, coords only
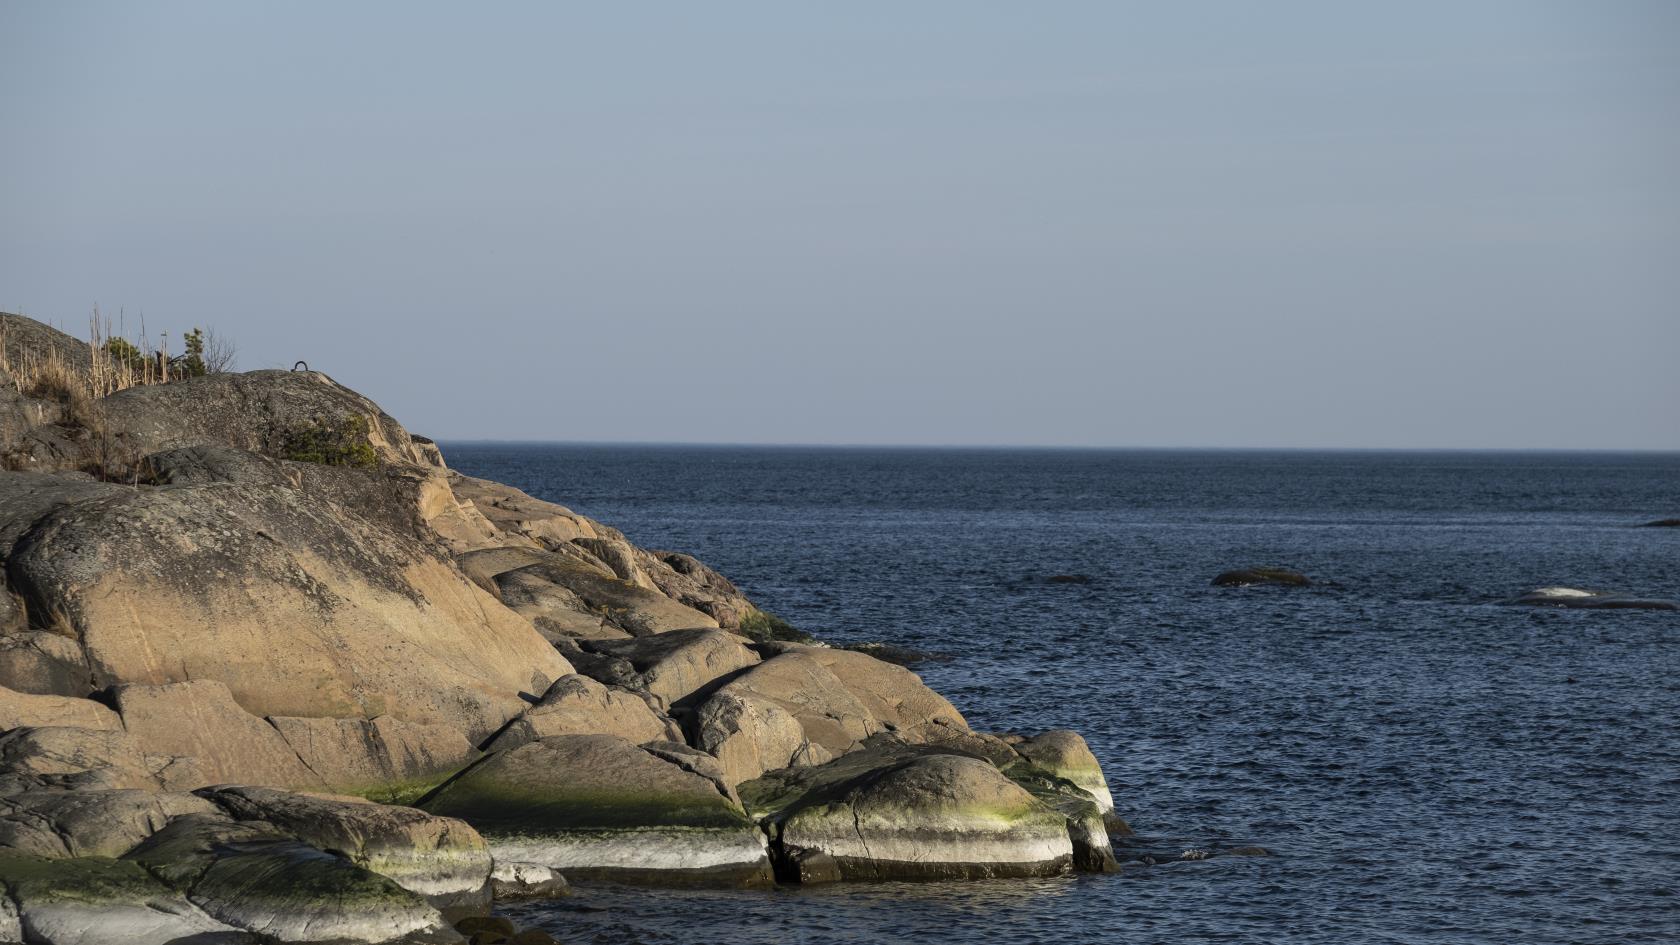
(342, 444)
(123, 352)
(763, 627)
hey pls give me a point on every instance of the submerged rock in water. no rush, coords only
(1576, 598)
(1247, 577)
(1068, 579)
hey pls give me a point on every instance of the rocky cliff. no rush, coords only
(271, 671)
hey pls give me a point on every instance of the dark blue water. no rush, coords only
(1428, 765)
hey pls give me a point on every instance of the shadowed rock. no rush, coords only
(682, 663)
(95, 901)
(63, 824)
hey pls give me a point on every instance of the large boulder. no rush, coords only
(578, 705)
(597, 806)
(750, 735)
(893, 811)
(299, 608)
(841, 698)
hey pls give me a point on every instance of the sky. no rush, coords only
(1291, 224)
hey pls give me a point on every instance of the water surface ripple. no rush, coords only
(1428, 765)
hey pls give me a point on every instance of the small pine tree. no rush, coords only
(192, 363)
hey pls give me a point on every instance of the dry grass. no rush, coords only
(49, 373)
(114, 364)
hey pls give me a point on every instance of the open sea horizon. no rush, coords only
(1426, 762)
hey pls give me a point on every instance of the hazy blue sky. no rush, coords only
(1237, 224)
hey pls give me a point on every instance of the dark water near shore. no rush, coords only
(1427, 765)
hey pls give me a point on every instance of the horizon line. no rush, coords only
(1061, 447)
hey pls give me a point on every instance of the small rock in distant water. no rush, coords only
(893, 653)
(1576, 598)
(1663, 523)
(1068, 579)
(1247, 577)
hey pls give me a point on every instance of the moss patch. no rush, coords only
(92, 880)
(514, 809)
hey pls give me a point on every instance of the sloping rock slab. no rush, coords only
(599, 807)
(73, 758)
(200, 719)
(385, 759)
(299, 608)
(19, 709)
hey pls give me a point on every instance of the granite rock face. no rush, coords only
(298, 609)
(252, 595)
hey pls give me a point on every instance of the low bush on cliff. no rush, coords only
(761, 626)
(328, 443)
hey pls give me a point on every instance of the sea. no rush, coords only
(1425, 762)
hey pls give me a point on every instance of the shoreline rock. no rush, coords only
(252, 595)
